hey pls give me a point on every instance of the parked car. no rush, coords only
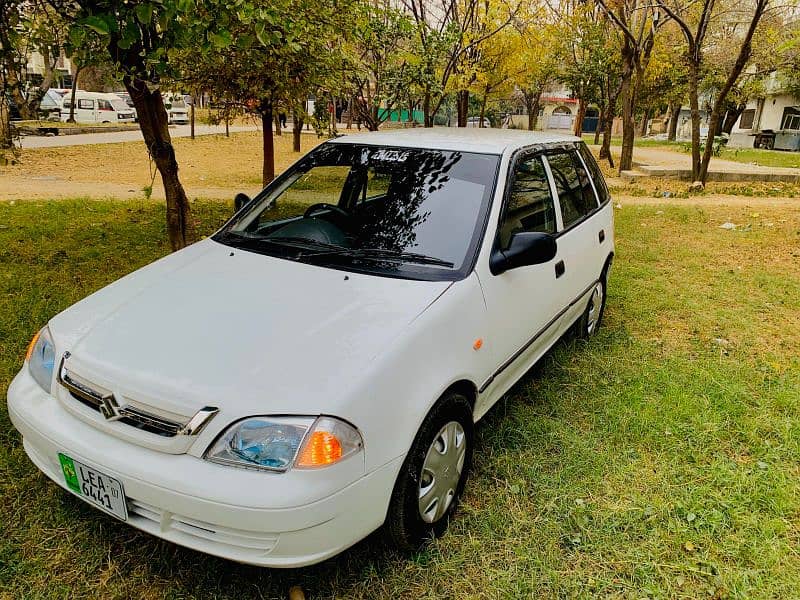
(51, 103)
(177, 110)
(476, 122)
(328, 350)
(129, 101)
(96, 107)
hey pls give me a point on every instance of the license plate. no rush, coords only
(93, 486)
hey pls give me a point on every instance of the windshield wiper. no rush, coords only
(303, 243)
(397, 255)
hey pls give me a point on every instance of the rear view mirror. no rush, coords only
(239, 201)
(525, 248)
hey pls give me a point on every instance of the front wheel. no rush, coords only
(433, 475)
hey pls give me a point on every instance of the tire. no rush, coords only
(592, 317)
(408, 528)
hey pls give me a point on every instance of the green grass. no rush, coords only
(755, 156)
(659, 460)
(763, 158)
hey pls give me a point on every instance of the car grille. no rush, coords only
(152, 518)
(106, 404)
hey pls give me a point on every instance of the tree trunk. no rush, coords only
(529, 106)
(268, 165)
(628, 126)
(694, 106)
(6, 139)
(483, 107)
(277, 118)
(297, 128)
(71, 118)
(645, 119)
(674, 115)
(577, 126)
(599, 124)
(608, 125)
(153, 122)
(426, 109)
(628, 93)
(731, 116)
(462, 107)
(191, 117)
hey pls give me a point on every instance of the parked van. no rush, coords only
(95, 107)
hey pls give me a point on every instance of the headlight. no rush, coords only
(41, 357)
(278, 443)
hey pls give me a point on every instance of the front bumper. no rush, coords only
(157, 487)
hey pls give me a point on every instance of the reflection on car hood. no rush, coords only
(214, 326)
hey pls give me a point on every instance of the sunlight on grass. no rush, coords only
(661, 459)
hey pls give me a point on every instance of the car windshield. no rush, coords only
(402, 212)
(120, 105)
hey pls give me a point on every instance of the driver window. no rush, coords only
(530, 205)
(318, 185)
(377, 183)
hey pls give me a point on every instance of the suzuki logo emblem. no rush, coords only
(109, 408)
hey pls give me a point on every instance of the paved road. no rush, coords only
(35, 141)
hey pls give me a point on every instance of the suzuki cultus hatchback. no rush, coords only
(314, 370)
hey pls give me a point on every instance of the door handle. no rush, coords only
(560, 268)
(602, 235)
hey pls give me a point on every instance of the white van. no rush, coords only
(95, 107)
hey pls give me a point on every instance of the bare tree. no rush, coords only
(696, 36)
(638, 20)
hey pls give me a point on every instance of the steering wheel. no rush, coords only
(323, 206)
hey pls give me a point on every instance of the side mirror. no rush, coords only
(239, 201)
(526, 248)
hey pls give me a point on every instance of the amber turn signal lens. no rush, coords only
(29, 351)
(322, 448)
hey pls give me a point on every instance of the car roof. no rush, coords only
(467, 139)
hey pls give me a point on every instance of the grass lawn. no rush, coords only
(764, 158)
(659, 460)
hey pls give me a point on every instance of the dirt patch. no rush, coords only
(211, 166)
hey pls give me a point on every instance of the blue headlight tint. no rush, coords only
(266, 443)
(42, 360)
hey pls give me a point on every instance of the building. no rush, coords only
(776, 111)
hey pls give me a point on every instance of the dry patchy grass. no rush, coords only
(210, 165)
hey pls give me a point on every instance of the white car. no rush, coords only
(315, 369)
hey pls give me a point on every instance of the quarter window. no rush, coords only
(597, 175)
(530, 204)
(575, 193)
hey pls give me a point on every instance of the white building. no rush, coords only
(776, 111)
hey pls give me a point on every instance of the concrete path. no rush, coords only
(664, 162)
(124, 136)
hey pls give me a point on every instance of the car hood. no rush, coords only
(248, 333)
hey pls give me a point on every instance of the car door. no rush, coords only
(579, 234)
(523, 304)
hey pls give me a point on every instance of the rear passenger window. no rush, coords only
(85, 103)
(530, 204)
(596, 173)
(575, 193)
